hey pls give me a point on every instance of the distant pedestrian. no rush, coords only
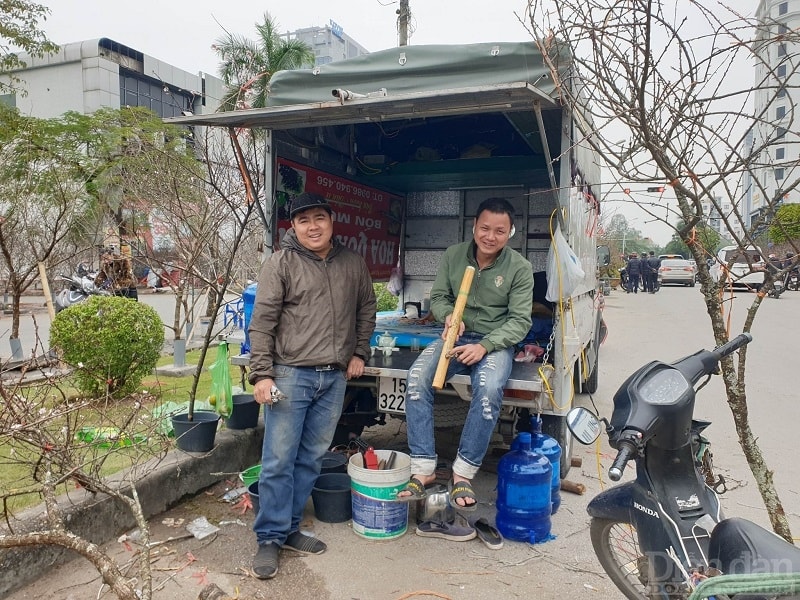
(646, 280)
(653, 264)
(634, 270)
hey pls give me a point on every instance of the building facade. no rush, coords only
(88, 75)
(724, 220)
(329, 43)
(776, 138)
(102, 73)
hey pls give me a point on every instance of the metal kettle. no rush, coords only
(436, 506)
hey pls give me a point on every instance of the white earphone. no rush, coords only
(510, 235)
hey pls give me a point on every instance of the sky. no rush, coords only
(182, 33)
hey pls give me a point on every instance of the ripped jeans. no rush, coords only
(488, 378)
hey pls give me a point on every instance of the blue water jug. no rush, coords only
(524, 480)
(249, 298)
(548, 447)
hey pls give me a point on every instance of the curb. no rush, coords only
(100, 518)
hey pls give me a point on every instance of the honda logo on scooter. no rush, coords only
(644, 509)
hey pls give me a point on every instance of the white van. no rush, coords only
(746, 266)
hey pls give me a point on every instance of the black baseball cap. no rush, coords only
(308, 200)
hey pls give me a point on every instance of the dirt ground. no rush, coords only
(353, 567)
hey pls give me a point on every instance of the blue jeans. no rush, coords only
(297, 433)
(488, 378)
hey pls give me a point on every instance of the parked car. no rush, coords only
(676, 270)
(746, 267)
(694, 266)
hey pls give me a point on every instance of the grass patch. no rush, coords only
(61, 409)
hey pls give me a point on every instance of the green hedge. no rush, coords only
(111, 342)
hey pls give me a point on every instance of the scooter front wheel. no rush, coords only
(616, 545)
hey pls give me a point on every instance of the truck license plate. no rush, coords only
(392, 395)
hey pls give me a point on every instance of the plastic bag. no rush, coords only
(395, 285)
(564, 271)
(221, 393)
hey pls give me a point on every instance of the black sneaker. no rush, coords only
(265, 564)
(304, 544)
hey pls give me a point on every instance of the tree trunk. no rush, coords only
(737, 402)
(108, 570)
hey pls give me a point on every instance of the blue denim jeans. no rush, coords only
(488, 378)
(297, 433)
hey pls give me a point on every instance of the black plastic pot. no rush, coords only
(197, 435)
(245, 412)
(252, 491)
(332, 498)
(334, 462)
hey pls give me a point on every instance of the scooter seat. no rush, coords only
(738, 546)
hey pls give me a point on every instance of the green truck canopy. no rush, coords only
(423, 117)
(415, 69)
(403, 82)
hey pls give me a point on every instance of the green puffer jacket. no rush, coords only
(500, 298)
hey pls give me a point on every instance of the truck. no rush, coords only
(405, 143)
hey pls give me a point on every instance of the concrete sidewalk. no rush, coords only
(99, 518)
(352, 568)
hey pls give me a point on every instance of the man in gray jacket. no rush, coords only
(313, 316)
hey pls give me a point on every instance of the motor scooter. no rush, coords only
(80, 285)
(792, 280)
(659, 534)
(623, 278)
(84, 283)
(778, 287)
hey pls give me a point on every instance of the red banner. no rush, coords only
(365, 219)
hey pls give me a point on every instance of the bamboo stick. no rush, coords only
(452, 332)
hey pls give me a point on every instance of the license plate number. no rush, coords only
(392, 395)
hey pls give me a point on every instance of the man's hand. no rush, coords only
(469, 354)
(262, 391)
(355, 368)
(461, 327)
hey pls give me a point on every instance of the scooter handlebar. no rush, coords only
(740, 340)
(627, 450)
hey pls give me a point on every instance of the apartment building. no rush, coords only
(85, 76)
(777, 82)
(329, 43)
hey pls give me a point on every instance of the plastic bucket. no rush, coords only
(331, 498)
(250, 475)
(252, 490)
(334, 462)
(376, 515)
(245, 412)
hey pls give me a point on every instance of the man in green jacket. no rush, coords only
(496, 317)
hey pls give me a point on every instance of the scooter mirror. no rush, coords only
(584, 425)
